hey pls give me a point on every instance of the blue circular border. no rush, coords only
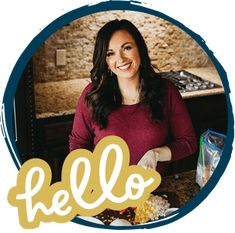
(106, 6)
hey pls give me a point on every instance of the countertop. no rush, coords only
(182, 185)
(60, 98)
(178, 189)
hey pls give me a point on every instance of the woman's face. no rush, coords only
(123, 57)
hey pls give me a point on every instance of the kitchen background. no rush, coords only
(59, 70)
(57, 86)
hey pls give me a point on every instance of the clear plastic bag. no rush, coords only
(211, 148)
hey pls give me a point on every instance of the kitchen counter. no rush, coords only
(178, 189)
(60, 98)
(183, 185)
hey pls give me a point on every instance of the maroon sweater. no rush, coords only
(133, 124)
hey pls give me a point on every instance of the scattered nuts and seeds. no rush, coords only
(151, 209)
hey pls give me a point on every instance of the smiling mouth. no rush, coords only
(124, 67)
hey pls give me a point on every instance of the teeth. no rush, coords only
(124, 67)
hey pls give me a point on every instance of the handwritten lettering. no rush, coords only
(91, 182)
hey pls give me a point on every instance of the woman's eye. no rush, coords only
(128, 47)
(109, 54)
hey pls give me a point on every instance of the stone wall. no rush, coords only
(57, 87)
(169, 47)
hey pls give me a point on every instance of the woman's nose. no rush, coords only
(120, 57)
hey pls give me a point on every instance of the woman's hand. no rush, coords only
(153, 156)
(149, 159)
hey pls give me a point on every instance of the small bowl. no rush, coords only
(91, 219)
(120, 222)
(170, 211)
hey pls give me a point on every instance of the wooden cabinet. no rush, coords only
(24, 119)
(53, 141)
(207, 112)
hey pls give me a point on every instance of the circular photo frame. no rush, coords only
(23, 67)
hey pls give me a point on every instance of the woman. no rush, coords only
(127, 98)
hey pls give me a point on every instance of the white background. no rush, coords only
(213, 20)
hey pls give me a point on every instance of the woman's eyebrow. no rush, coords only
(121, 46)
(126, 44)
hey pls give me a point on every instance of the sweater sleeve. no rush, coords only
(81, 135)
(183, 142)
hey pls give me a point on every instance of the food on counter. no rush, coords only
(151, 209)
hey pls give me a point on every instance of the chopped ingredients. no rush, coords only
(151, 209)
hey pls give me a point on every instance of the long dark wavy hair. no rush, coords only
(105, 95)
